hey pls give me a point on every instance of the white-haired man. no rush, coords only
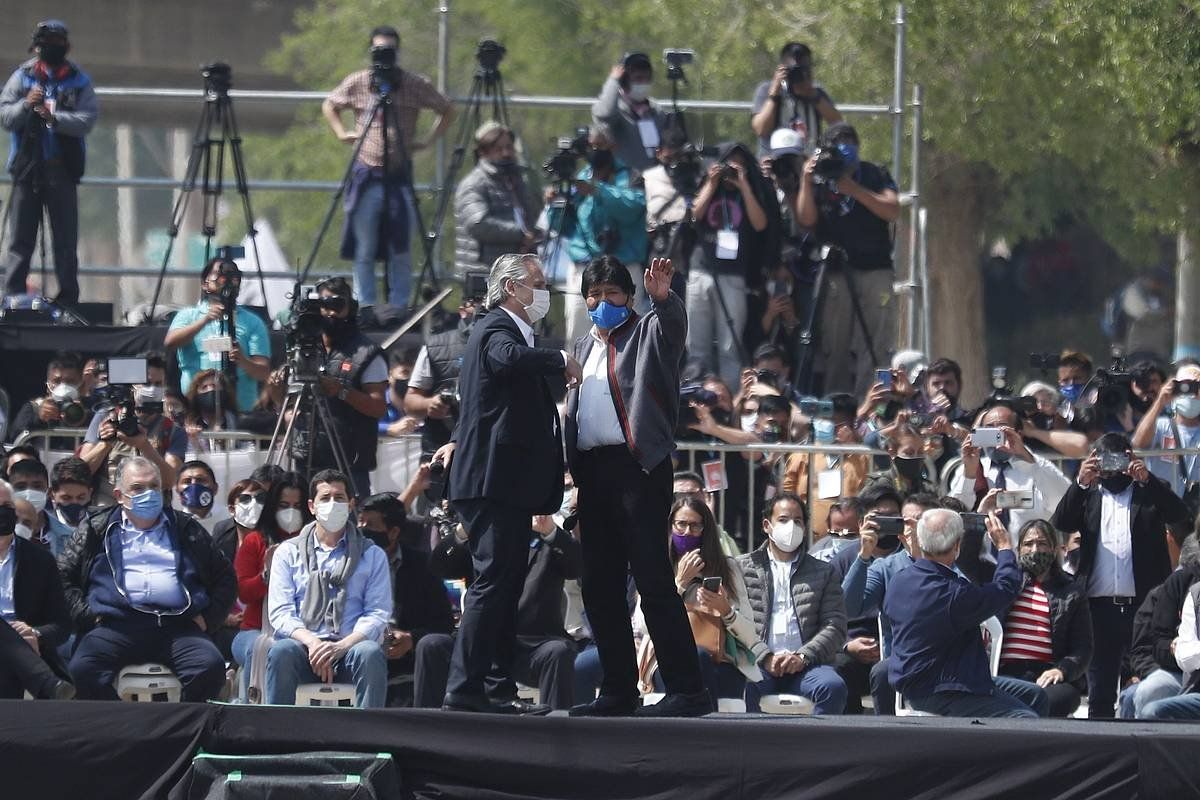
(144, 583)
(507, 466)
(938, 661)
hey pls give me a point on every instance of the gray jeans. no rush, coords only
(711, 339)
(842, 353)
(58, 197)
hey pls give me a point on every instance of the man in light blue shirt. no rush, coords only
(329, 601)
(192, 327)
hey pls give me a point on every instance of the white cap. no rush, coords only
(786, 142)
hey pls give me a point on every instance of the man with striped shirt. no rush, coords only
(1048, 629)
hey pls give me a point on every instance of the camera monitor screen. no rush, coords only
(126, 371)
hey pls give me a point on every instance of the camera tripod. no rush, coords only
(217, 125)
(804, 381)
(381, 108)
(309, 405)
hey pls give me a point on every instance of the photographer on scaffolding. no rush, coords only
(851, 203)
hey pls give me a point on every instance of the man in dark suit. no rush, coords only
(507, 466)
(1121, 511)
(33, 614)
(620, 434)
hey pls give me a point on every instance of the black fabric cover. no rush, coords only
(126, 750)
(314, 776)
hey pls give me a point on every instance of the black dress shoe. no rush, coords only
(696, 704)
(520, 707)
(607, 705)
(61, 690)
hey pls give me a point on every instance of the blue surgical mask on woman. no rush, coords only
(823, 431)
(1187, 406)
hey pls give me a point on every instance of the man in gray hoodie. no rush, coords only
(620, 430)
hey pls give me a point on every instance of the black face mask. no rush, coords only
(339, 328)
(8, 520)
(1138, 404)
(1042, 421)
(399, 388)
(1073, 559)
(888, 543)
(378, 537)
(1116, 483)
(911, 469)
(600, 160)
(53, 54)
(1038, 562)
(206, 403)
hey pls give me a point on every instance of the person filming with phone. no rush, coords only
(1120, 510)
(1178, 429)
(995, 456)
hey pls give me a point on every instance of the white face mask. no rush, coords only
(150, 394)
(787, 536)
(289, 520)
(247, 514)
(539, 307)
(23, 530)
(639, 91)
(748, 421)
(64, 393)
(332, 514)
(35, 497)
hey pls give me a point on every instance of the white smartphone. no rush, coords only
(1014, 500)
(987, 437)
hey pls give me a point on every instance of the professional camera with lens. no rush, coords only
(828, 165)
(445, 520)
(218, 77)
(690, 393)
(562, 166)
(123, 374)
(448, 394)
(489, 54)
(305, 346)
(787, 177)
(798, 74)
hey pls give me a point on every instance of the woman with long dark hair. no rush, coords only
(284, 513)
(711, 586)
(1048, 629)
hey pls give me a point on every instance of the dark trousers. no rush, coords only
(721, 679)
(1112, 631)
(21, 669)
(623, 519)
(857, 677)
(58, 197)
(1063, 698)
(545, 663)
(499, 542)
(179, 644)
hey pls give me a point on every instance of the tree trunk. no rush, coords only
(1187, 267)
(956, 193)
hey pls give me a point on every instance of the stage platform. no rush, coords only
(95, 751)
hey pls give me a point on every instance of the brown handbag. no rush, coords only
(709, 633)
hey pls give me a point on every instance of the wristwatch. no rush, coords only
(343, 393)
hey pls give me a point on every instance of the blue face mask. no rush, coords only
(823, 431)
(197, 495)
(850, 153)
(607, 316)
(997, 456)
(1071, 391)
(147, 504)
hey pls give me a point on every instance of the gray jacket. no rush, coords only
(612, 110)
(484, 210)
(645, 356)
(816, 594)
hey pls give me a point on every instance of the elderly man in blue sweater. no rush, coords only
(938, 661)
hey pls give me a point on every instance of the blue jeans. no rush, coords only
(1013, 698)
(820, 684)
(588, 674)
(364, 665)
(1183, 706)
(1158, 685)
(243, 650)
(366, 222)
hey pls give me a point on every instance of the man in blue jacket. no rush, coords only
(48, 106)
(145, 584)
(938, 661)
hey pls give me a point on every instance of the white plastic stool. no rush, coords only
(148, 683)
(731, 705)
(530, 694)
(325, 694)
(790, 704)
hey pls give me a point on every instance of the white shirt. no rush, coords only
(7, 609)
(1040, 477)
(783, 629)
(599, 425)
(523, 326)
(1187, 646)
(1112, 574)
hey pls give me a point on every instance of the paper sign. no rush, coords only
(829, 484)
(648, 130)
(714, 476)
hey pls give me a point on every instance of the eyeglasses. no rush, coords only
(687, 527)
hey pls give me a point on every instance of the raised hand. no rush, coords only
(658, 279)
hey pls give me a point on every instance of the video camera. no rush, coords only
(687, 170)
(676, 60)
(563, 165)
(123, 375)
(218, 78)
(489, 54)
(304, 329)
(828, 165)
